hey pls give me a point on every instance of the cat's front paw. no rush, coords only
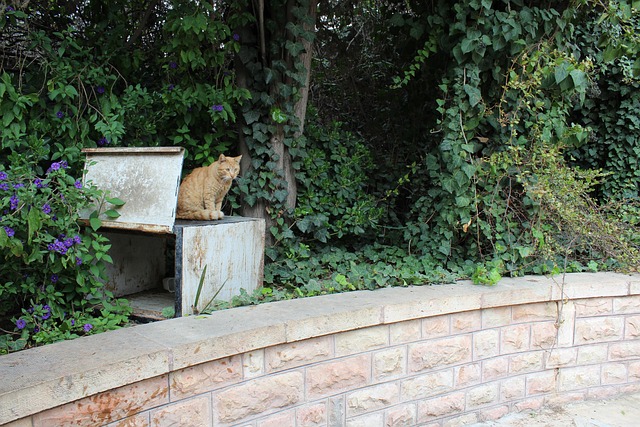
(213, 215)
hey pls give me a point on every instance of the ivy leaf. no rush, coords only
(474, 94)
(561, 73)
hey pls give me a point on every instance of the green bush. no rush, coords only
(52, 270)
(333, 180)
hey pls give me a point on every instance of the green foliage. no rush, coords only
(332, 186)
(52, 271)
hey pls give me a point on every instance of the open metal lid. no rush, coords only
(147, 179)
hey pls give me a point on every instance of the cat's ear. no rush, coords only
(237, 159)
(222, 158)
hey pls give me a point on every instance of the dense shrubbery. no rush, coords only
(52, 271)
(469, 139)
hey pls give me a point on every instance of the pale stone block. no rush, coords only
(566, 323)
(632, 327)
(260, 396)
(614, 373)
(108, 406)
(627, 304)
(283, 419)
(512, 389)
(541, 383)
(366, 421)
(593, 307)
(496, 317)
(516, 291)
(334, 377)
(441, 352)
(543, 335)
(312, 415)
(253, 364)
(526, 362)
(401, 416)
(590, 285)
(372, 398)
(434, 327)
(190, 412)
(137, 420)
(577, 378)
(467, 321)
(559, 400)
(561, 357)
(624, 350)
(205, 377)
(634, 371)
(292, 355)
(440, 406)
(486, 344)
(630, 388)
(361, 340)
(495, 368)
(336, 411)
(482, 395)
(462, 420)
(530, 404)
(600, 393)
(590, 354)
(598, 329)
(426, 385)
(534, 312)
(515, 338)
(491, 414)
(389, 363)
(466, 375)
(404, 332)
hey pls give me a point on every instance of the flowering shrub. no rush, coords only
(51, 270)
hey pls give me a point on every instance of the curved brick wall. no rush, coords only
(433, 356)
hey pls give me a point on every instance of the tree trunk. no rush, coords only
(282, 156)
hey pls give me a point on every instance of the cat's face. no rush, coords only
(228, 167)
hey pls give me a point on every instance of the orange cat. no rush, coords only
(201, 192)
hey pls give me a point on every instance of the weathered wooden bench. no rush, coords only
(149, 246)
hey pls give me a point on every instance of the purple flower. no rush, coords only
(217, 107)
(171, 87)
(36, 330)
(46, 208)
(78, 261)
(73, 322)
(78, 184)
(10, 231)
(173, 65)
(59, 114)
(10, 9)
(54, 278)
(4, 186)
(100, 90)
(103, 141)
(21, 324)
(3, 176)
(236, 37)
(38, 183)
(54, 167)
(69, 242)
(18, 185)
(58, 247)
(14, 202)
(87, 327)
(77, 239)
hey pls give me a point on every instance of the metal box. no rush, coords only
(148, 244)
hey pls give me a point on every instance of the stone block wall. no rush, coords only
(431, 356)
